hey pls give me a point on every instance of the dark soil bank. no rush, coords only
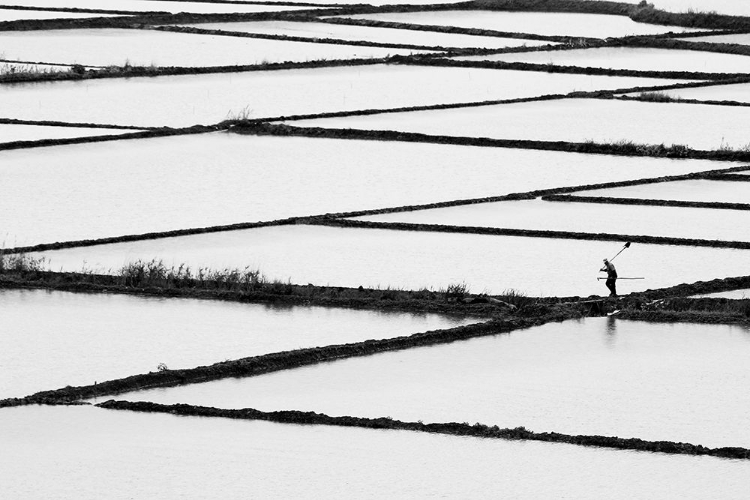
(452, 428)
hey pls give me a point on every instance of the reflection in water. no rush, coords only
(611, 331)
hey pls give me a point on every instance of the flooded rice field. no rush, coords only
(82, 194)
(376, 274)
(372, 34)
(632, 58)
(181, 101)
(118, 336)
(732, 294)
(675, 222)
(414, 259)
(539, 23)
(137, 454)
(739, 92)
(105, 47)
(172, 7)
(13, 133)
(573, 120)
(599, 376)
(701, 190)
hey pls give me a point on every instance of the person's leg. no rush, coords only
(611, 285)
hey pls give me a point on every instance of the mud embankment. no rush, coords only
(532, 233)
(452, 428)
(648, 202)
(618, 149)
(257, 365)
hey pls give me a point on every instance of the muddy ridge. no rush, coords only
(452, 428)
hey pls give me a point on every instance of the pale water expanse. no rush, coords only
(700, 223)
(12, 132)
(84, 193)
(418, 259)
(702, 190)
(105, 47)
(631, 58)
(739, 92)
(538, 23)
(87, 453)
(371, 34)
(186, 100)
(151, 6)
(732, 294)
(698, 126)
(53, 339)
(739, 38)
(597, 376)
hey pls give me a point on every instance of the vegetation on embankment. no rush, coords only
(451, 428)
(285, 360)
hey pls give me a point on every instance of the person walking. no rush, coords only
(609, 268)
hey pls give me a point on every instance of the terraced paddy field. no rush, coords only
(707, 191)
(354, 257)
(674, 222)
(632, 58)
(154, 6)
(14, 133)
(540, 23)
(371, 34)
(572, 120)
(179, 333)
(82, 194)
(290, 250)
(105, 47)
(61, 445)
(182, 101)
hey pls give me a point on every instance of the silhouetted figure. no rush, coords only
(609, 268)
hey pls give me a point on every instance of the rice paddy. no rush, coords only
(357, 249)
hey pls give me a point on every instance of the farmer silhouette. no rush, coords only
(611, 277)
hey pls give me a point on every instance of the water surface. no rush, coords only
(739, 92)
(698, 126)
(105, 47)
(539, 23)
(701, 223)
(598, 376)
(413, 260)
(370, 33)
(148, 185)
(151, 6)
(731, 294)
(81, 450)
(631, 58)
(692, 190)
(18, 15)
(53, 339)
(208, 99)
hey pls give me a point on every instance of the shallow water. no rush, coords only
(407, 259)
(151, 6)
(698, 126)
(584, 217)
(372, 34)
(632, 58)
(215, 179)
(731, 294)
(82, 451)
(53, 339)
(209, 99)
(692, 190)
(598, 376)
(540, 23)
(739, 92)
(740, 38)
(12, 133)
(105, 47)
